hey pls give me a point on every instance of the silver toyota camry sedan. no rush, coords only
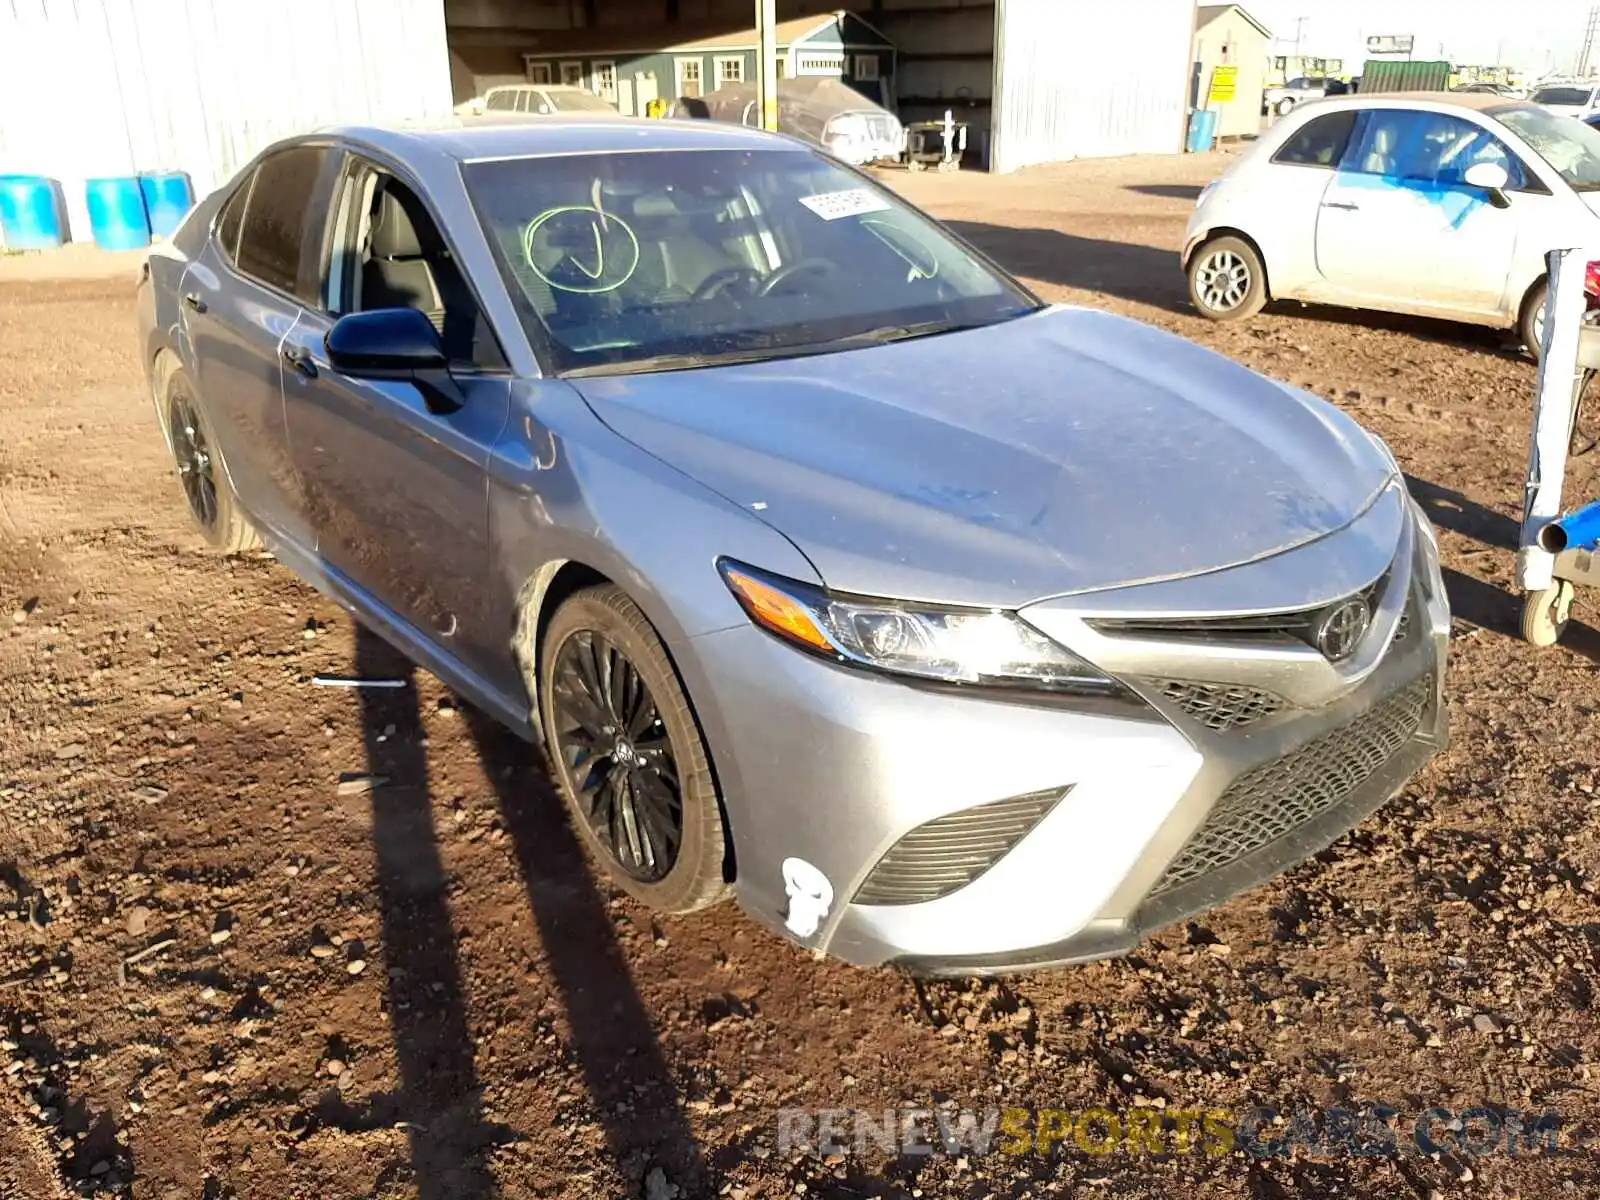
(832, 569)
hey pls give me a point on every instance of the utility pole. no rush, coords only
(1588, 40)
(767, 63)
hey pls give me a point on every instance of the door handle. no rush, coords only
(195, 301)
(299, 358)
(1339, 204)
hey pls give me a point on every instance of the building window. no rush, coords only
(730, 69)
(689, 83)
(603, 80)
(539, 72)
(782, 64)
(820, 64)
(572, 74)
(866, 67)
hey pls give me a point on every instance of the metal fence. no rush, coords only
(93, 88)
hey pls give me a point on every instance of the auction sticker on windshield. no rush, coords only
(852, 202)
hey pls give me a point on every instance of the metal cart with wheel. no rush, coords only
(1558, 553)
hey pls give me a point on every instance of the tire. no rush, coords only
(1227, 281)
(1545, 613)
(212, 505)
(596, 633)
(1285, 106)
(1530, 321)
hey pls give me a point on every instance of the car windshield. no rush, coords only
(1563, 95)
(1570, 147)
(578, 101)
(656, 261)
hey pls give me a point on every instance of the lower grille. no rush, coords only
(1220, 706)
(1277, 797)
(948, 853)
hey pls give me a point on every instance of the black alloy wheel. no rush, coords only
(195, 461)
(619, 759)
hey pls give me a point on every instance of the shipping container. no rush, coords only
(1389, 75)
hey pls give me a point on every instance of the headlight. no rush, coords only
(956, 645)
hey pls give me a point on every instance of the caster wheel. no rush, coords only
(1545, 613)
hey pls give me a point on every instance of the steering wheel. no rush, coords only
(806, 266)
(722, 278)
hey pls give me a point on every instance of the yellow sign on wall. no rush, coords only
(1224, 84)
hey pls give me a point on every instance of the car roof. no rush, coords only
(468, 139)
(1477, 101)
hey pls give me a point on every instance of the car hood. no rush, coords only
(1065, 451)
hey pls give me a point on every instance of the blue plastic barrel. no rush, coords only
(1202, 130)
(167, 197)
(30, 212)
(116, 213)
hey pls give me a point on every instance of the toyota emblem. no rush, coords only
(1342, 627)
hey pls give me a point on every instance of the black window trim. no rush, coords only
(229, 261)
(359, 157)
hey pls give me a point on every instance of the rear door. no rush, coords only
(397, 486)
(240, 301)
(1398, 225)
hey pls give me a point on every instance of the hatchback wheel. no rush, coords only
(1227, 281)
(627, 753)
(205, 483)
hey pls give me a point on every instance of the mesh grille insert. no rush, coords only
(1277, 797)
(1220, 706)
(949, 852)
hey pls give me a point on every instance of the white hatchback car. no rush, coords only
(1434, 203)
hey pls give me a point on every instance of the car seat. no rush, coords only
(1379, 159)
(395, 272)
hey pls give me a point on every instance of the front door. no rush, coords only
(396, 482)
(1397, 222)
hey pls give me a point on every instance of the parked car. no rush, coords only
(832, 568)
(825, 111)
(537, 99)
(1572, 99)
(1441, 204)
(1281, 100)
(1504, 90)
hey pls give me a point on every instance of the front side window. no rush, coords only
(1318, 143)
(1570, 147)
(1427, 148)
(624, 261)
(272, 237)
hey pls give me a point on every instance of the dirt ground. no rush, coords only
(224, 975)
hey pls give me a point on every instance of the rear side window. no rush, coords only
(231, 218)
(1320, 143)
(273, 235)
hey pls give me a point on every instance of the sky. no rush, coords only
(1533, 35)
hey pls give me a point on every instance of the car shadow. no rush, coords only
(1449, 509)
(612, 1038)
(1167, 191)
(440, 1097)
(1143, 274)
(611, 1033)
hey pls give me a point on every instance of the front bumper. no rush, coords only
(833, 767)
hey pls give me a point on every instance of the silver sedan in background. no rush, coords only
(832, 569)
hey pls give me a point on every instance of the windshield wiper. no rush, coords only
(901, 333)
(673, 362)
